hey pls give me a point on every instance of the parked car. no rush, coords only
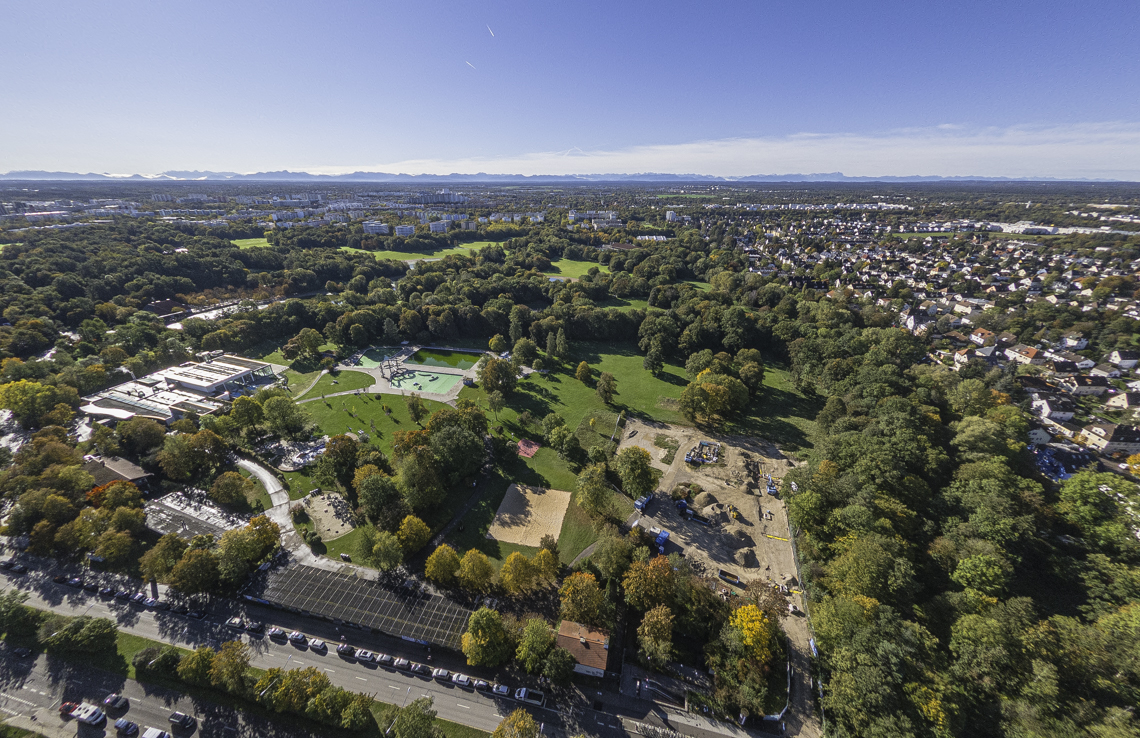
(180, 609)
(109, 592)
(181, 720)
(297, 637)
(196, 614)
(115, 701)
(461, 680)
(365, 656)
(155, 733)
(122, 594)
(91, 587)
(482, 685)
(317, 645)
(346, 650)
(384, 659)
(530, 696)
(236, 622)
(7, 564)
(421, 669)
(59, 579)
(275, 632)
(642, 503)
(89, 714)
(401, 663)
(19, 569)
(22, 652)
(126, 727)
(66, 708)
(500, 690)
(442, 675)
(138, 598)
(254, 627)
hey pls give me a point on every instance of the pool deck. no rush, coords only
(383, 385)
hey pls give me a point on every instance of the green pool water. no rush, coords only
(451, 359)
(441, 383)
(372, 358)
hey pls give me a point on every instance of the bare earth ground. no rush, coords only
(526, 514)
(330, 514)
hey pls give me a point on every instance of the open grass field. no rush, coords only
(250, 243)
(623, 304)
(345, 381)
(336, 416)
(783, 415)
(417, 255)
(573, 268)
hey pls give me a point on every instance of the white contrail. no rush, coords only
(492, 32)
(470, 65)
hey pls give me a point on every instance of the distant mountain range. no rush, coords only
(482, 177)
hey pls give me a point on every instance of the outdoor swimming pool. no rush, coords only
(371, 358)
(441, 383)
(451, 359)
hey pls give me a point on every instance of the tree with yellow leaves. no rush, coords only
(413, 534)
(755, 632)
(442, 565)
(546, 566)
(519, 724)
(476, 571)
(518, 574)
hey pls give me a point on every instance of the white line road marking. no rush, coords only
(17, 699)
(465, 707)
(10, 712)
(361, 679)
(392, 686)
(330, 671)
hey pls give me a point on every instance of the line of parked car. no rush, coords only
(90, 714)
(135, 598)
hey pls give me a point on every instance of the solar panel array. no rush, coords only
(396, 611)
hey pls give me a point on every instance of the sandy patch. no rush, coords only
(330, 514)
(526, 514)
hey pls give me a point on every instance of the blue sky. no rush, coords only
(990, 88)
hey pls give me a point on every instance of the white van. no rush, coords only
(155, 733)
(530, 696)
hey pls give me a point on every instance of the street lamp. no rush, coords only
(406, 695)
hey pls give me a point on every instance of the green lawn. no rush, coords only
(783, 414)
(462, 249)
(573, 268)
(299, 483)
(701, 286)
(623, 304)
(250, 243)
(346, 381)
(344, 544)
(335, 416)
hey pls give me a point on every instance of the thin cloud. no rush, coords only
(1087, 150)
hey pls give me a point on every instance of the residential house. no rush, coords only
(1123, 359)
(1074, 340)
(1081, 385)
(1057, 408)
(1123, 401)
(1082, 362)
(981, 336)
(1023, 354)
(1005, 338)
(1105, 370)
(589, 647)
(1108, 438)
(1061, 367)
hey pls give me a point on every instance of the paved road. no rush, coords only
(31, 691)
(607, 714)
